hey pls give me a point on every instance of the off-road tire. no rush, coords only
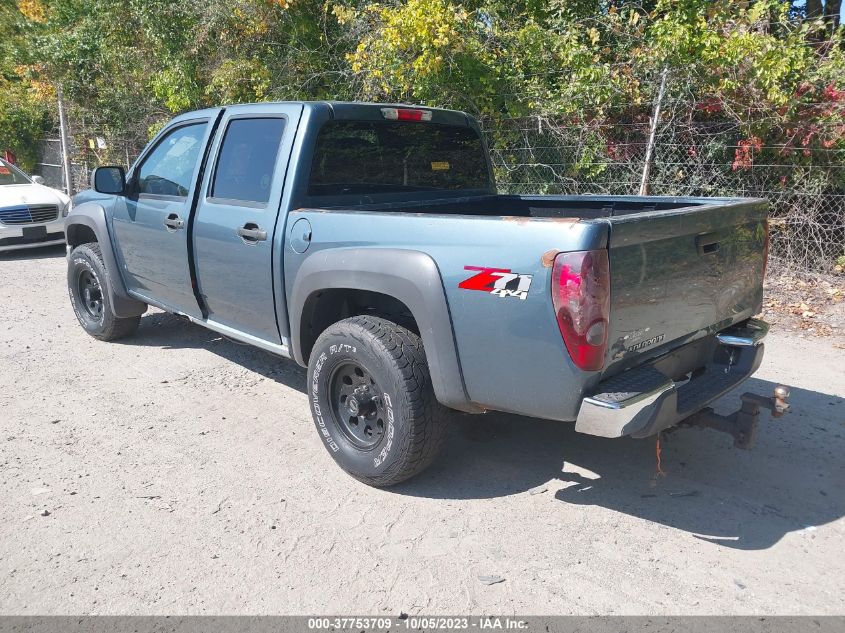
(87, 259)
(415, 423)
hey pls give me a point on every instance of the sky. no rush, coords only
(801, 3)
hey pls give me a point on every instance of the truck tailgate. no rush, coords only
(681, 274)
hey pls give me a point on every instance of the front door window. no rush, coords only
(169, 168)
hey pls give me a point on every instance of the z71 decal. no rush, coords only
(497, 281)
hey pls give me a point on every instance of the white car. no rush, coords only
(30, 213)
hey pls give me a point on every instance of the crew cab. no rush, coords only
(368, 243)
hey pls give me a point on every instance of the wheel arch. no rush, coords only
(79, 233)
(87, 223)
(400, 278)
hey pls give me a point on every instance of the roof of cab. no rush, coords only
(338, 110)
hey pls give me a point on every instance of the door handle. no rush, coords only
(251, 233)
(173, 222)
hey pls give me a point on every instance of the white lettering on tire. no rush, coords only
(379, 459)
(315, 403)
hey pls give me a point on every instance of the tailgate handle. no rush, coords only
(707, 244)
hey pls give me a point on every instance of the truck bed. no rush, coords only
(680, 270)
(680, 267)
(524, 206)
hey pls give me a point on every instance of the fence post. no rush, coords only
(650, 146)
(63, 135)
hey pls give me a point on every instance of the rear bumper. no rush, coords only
(644, 401)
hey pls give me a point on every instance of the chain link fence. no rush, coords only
(49, 165)
(87, 151)
(805, 187)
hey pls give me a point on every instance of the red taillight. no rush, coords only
(581, 298)
(406, 114)
(766, 238)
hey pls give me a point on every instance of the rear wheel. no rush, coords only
(372, 400)
(89, 295)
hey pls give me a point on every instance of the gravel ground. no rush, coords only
(178, 472)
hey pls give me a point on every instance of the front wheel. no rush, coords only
(372, 401)
(88, 288)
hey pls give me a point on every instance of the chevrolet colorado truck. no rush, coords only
(368, 243)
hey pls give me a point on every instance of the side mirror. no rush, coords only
(110, 180)
(38, 180)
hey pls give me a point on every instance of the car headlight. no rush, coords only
(66, 209)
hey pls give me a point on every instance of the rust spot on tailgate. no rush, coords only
(548, 258)
(517, 219)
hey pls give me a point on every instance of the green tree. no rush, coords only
(24, 113)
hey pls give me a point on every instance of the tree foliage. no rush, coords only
(775, 68)
(24, 96)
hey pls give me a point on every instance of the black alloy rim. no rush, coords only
(358, 405)
(90, 294)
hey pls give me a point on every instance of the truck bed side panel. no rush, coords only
(510, 349)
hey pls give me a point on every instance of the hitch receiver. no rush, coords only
(742, 424)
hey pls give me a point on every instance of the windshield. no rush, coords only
(11, 175)
(370, 157)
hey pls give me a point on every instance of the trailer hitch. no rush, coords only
(742, 424)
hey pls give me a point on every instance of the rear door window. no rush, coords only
(247, 160)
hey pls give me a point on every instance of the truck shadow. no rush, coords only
(41, 252)
(744, 500)
(738, 499)
(169, 331)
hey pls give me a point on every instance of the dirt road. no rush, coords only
(178, 472)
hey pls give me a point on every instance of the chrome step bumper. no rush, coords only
(643, 401)
(747, 334)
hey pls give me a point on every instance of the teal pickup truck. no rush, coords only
(367, 242)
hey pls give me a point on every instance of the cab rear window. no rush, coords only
(372, 157)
